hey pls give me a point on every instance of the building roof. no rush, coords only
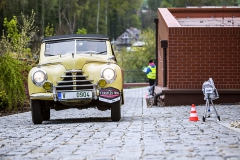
(201, 17)
(213, 22)
(134, 32)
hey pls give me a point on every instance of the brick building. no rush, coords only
(195, 44)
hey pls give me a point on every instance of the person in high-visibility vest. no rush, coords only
(151, 73)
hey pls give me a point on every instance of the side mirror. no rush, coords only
(112, 58)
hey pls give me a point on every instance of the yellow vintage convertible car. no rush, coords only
(75, 71)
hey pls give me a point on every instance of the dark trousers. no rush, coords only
(151, 82)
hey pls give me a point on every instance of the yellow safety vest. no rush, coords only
(152, 74)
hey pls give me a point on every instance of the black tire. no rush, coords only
(116, 111)
(36, 109)
(46, 114)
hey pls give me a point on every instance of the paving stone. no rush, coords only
(159, 132)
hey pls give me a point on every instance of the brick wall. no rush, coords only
(196, 54)
(163, 35)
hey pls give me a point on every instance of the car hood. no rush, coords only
(76, 61)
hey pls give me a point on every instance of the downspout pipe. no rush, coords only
(156, 61)
(164, 45)
(156, 49)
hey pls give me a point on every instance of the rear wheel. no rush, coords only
(36, 110)
(116, 111)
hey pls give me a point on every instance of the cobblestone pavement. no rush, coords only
(143, 133)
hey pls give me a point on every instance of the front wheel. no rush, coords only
(46, 114)
(36, 110)
(116, 111)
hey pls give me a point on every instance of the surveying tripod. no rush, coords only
(207, 109)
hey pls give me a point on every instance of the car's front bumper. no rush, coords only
(43, 96)
(108, 95)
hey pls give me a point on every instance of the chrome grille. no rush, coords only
(74, 80)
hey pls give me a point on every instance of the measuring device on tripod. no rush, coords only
(210, 93)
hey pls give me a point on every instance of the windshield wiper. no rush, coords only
(101, 52)
(50, 55)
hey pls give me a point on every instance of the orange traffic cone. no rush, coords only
(193, 114)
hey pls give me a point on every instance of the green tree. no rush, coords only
(12, 33)
(154, 4)
(18, 35)
(49, 30)
(81, 31)
(165, 4)
(121, 14)
(109, 17)
(137, 60)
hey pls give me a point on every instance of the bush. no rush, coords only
(14, 46)
(12, 81)
(3, 100)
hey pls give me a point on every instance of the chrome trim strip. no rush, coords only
(74, 81)
(95, 91)
(79, 99)
(74, 71)
(74, 90)
(85, 85)
(54, 93)
(81, 76)
(42, 96)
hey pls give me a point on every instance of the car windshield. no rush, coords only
(76, 47)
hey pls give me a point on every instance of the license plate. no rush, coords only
(74, 95)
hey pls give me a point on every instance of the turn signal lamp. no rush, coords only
(102, 82)
(47, 86)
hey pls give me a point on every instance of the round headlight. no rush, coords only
(109, 74)
(39, 77)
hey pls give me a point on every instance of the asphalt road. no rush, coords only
(142, 133)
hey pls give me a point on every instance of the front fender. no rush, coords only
(93, 70)
(54, 72)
